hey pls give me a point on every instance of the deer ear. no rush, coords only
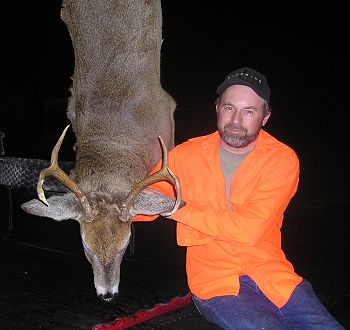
(150, 202)
(61, 207)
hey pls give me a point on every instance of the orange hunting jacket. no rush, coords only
(224, 243)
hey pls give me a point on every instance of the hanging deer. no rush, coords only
(123, 124)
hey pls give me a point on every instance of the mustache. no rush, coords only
(234, 126)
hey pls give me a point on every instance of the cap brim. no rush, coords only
(231, 82)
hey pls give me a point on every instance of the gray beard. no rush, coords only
(237, 141)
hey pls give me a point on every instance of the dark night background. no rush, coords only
(302, 53)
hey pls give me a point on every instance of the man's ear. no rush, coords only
(266, 118)
(216, 104)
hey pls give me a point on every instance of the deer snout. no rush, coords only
(107, 297)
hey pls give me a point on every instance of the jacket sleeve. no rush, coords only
(262, 211)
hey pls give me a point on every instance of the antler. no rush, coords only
(55, 171)
(164, 174)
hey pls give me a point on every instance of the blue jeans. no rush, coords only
(252, 310)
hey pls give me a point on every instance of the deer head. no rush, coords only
(104, 222)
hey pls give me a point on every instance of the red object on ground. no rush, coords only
(146, 314)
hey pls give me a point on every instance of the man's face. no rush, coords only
(240, 116)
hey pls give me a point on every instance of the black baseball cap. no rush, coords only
(248, 77)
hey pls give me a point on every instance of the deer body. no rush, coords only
(117, 110)
(117, 103)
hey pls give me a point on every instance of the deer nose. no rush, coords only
(107, 297)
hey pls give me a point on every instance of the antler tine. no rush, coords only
(55, 171)
(164, 174)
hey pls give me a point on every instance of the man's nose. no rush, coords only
(236, 117)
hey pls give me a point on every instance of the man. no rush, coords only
(237, 182)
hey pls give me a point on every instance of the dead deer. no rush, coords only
(119, 113)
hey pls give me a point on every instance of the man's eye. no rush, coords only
(248, 112)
